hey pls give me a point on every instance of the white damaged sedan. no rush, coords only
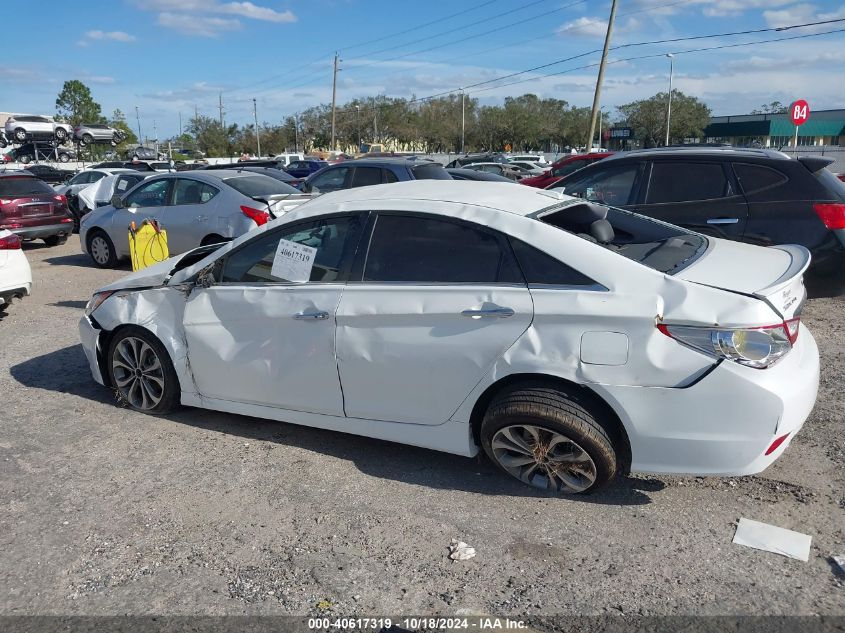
(567, 340)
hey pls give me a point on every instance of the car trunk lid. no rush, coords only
(774, 274)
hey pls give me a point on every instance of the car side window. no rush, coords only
(153, 194)
(685, 182)
(365, 176)
(333, 238)
(542, 269)
(755, 178)
(332, 180)
(80, 178)
(612, 185)
(124, 183)
(189, 191)
(95, 176)
(389, 176)
(568, 168)
(415, 249)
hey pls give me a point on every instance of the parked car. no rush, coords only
(15, 273)
(27, 152)
(141, 153)
(25, 127)
(303, 168)
(190, 153)
(468, 159)
(567, 340)
(50, 174)
(100, 193)
(195, 207)
(88, 133)
(474, 174)
(750, 195)
(502, 169)
(80, 181)
(563, 167)
(531, 158)
(33, 210)
(272, 172)
(287, 158)
(531, 168)
(362, 172)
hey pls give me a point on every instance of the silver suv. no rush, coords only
(23, 127)
(88, 133)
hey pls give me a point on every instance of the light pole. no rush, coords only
(358, 123)
(138, 119)
(463, 118)
(669, 107)
(255, 118)
(296, 133)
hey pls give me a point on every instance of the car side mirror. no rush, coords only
(117, 201)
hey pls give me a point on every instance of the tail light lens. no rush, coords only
(10, 243)
(257, 215)
(832, 214)
(60, 199)
(758, 347)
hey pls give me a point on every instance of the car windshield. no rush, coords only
(430, 171)
(23, 186)
(658, 245)
(259, 185)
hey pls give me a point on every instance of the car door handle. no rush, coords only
(202, 218)
(311, 316)
(723, 221)
(500, 313)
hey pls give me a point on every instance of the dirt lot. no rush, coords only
(107, 511)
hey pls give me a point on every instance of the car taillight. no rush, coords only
(10, 242)
(257, 215)
(60, 199)
(758, 347)
(832, 214)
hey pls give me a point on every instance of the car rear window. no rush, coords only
(258, 185)
(430, 171)
(23, 186)
(754, 178)
(664, 247)
(831, 183)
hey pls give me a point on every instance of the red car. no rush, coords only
(563, 167)
(33, 210)
(841, 177)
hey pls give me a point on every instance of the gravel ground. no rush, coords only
(107, 511)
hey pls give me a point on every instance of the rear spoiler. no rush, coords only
(815, 163)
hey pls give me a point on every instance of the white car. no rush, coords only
(533, 158)
(288, 158)
(568, 340)
(100, 193)
(15, 274)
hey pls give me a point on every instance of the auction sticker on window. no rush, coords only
(293, 261)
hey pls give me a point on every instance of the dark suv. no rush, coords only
(372, 171)
(758, 196)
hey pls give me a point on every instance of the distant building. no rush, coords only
(824, 127)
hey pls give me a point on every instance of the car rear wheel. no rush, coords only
(61, 134)
(64, 158)
(101, 249)
(87, 139)
(55, 240)
(549, 440)
(20, 135)
(24, 160)
(141, 372)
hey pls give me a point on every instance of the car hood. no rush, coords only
(149, 277)
(774, 274)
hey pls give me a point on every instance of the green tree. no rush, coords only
(75, 104)
(648, 118)
(775, 107)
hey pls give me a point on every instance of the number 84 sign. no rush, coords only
(799, 112)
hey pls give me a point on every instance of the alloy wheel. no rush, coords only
(138, 373)
(543, 458)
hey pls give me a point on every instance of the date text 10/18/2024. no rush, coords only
(478, 623)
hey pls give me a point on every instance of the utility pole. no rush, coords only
(358, 124)
(138, 119)
(296, 132)
(220, 107)
(463, 119)
(375, 120)
(334, 98)
(196, 127)
(180, 123)
(155, 137)
(255, 117)
(597, 95)
(669, 106)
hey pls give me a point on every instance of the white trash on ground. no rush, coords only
(840, 562)
(458, 550)
(774, 539)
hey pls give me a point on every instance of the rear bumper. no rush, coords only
(46, 230)
(723, 424)
(18, 292)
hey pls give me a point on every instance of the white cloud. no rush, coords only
(801, 14)
(249, 10)
(723, 8)
(99, 79)
(597, 27)
(115, 36)
(197, 25)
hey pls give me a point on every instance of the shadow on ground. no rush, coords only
(824, 287)
(78, 305)
(66, 371)
(82, 260)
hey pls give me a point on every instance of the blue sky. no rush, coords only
(168, 56)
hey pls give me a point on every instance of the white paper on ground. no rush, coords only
(293, 261)
(773, 539)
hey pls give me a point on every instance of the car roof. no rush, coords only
(709, 152)
(399, 160)
(502, 196)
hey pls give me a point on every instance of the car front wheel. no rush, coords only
(101, 249)
(20, 135)
(61, 134)
(548, 440)
(64, 158)
(141, 372)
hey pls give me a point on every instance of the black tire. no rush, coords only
(24, 160)
(64, 158)
(116, 139)
(105, 256)
(156, 386)
(3, 142)
(87, 139)
(590, 459)
(61, 134)
(55, 240)
(20, 135)
(213, 239)
(113, 143)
